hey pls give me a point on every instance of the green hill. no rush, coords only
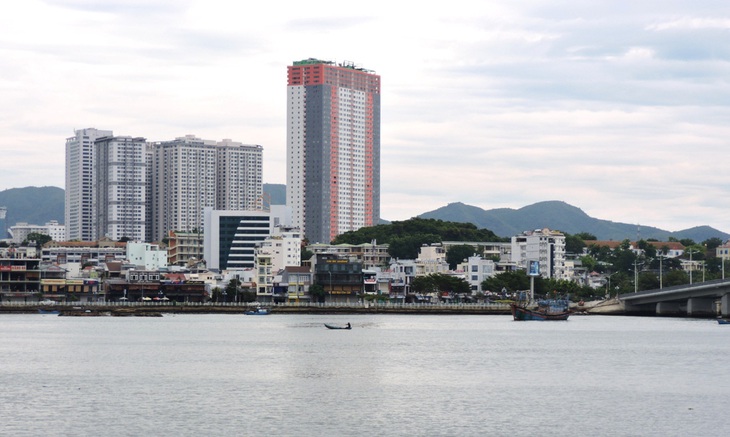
(563, 217)
(33, 205)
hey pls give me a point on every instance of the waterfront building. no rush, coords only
(73, 256)
(296, 281)
(231, 237)
(79, 212)
(184, 248)
(371, 255)
(20, 279)
(120, 188)
(341, 278)
(544, 246)
(478, 269)
(190, 174)
(146, 256)
(333, 148)
(53, 229)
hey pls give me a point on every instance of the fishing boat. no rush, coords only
(258, 312)
(556, 309)
(348, 326)
(723, 321)
(47, 311)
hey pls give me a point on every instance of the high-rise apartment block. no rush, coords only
(79, 206)
(190, 174)
(333, 148)
(121, 188)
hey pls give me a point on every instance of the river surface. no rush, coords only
(391, 375)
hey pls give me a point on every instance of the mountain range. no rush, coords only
(39, 205)
(558, 215)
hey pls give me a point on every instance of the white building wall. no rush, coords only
(295, 139)
(145, 255)
(79, 212)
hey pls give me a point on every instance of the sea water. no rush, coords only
(391, 375)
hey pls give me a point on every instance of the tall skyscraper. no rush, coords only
(333, 148)
(121, 188)
(190, 174)
(79, 213)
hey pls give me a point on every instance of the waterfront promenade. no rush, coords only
(140, 308)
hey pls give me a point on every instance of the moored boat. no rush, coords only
(47, 311)
(723, 321)
(553, 310)
(258, 312)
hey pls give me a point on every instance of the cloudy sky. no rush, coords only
(621, 108)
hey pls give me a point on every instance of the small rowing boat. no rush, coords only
(348, 326)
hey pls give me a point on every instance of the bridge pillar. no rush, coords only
(701, 307)
(669, 309)
(725, 305)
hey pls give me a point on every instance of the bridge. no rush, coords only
(696, 300)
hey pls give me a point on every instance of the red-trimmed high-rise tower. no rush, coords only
(333, 148)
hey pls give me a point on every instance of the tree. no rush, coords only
(574, 244)
(38, 238)
(217, 295)
(712, 243)
(232, 289)
(306, 255)
(317, 293)
(456, 254)
(586, 236)
(512, 281)
(408, 246)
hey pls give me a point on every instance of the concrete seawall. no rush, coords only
(119, 310)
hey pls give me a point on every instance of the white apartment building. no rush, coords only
(190, 174)
(476, 270)
(79, 212)
(146, 256)
(239, 180)
(183, 184)
(120, 190)
(20, 231)
(544, 246)
(275, 253)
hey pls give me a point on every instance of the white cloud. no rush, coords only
(620, 110)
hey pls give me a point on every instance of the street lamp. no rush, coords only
(636, 275)
(608, 288)
(661, 275)
(691, 264)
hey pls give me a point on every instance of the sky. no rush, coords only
(620, 108)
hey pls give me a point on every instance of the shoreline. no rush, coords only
(132, 310)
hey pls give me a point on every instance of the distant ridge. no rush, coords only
(39, 205)
(33, 205)
(561, 216)
(276, 192)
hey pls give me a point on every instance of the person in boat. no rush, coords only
(348, 325)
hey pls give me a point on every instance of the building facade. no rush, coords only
(20, 231)
(79, 212)
(333, 148)
(190, 174)
(120, 190)
(544, 246)
(231, 237)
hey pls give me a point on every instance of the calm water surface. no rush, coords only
(235, 375)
